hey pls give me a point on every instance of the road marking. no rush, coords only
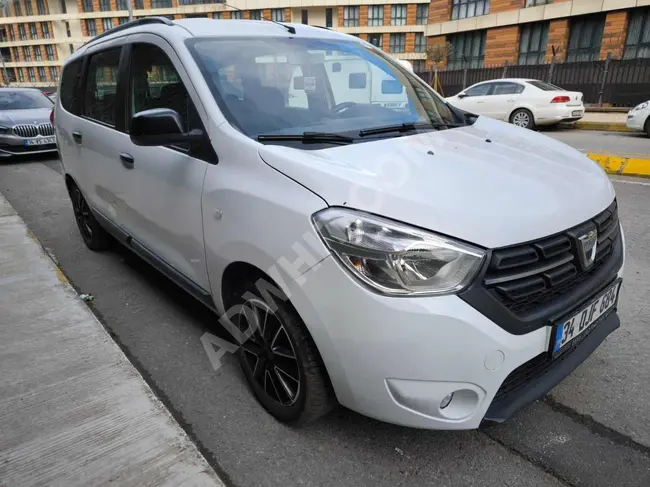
(630, 182)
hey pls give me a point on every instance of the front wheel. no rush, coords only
(647, 127)
(522, 118)
(281, 362)
(94, 236)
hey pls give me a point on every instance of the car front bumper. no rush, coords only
(13, 145)
(396, 359)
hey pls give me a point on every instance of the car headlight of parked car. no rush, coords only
(395, 258)
(640, 107)
(4, 130)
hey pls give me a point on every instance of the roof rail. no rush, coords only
(133, 23)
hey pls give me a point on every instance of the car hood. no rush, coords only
(491, 184)
(9, 118)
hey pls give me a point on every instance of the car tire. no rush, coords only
(646, 129)
(281, 362)
(523, 118)
(92, 233)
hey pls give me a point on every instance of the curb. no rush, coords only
(602, 126)
(627, 166)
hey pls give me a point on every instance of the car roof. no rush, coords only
(205, 27)
(508, 80)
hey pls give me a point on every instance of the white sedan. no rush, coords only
(639, 118)
(523, 102)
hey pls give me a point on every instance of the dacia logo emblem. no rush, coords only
(588, 244)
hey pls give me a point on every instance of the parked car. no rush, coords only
(639, 118)
(420, 266)
(525, 103)
(25, 122)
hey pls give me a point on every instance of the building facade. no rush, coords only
(36, 36)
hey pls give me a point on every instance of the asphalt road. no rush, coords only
(612, 143)
(593, 430)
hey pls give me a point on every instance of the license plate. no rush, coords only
(581, 322)
(40, 141)
(576, 113)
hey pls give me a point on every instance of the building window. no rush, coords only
(49, 51)
(350, 16)
(420, 42)
(15, 54)
(277, 14)
(33, 31)
(398, 15)
(256, 15)
(54, 73)
(585, 38)
(532, 43)
(37, 53)
(237, 15)
(376, 15)
(637, 44)
(375, 39)
(304, 13)
(41, 7)
(463, 9)
(22, 33)
(419, 65)
(87, 5)
(397, 43)
(216, 15)
(17, 8)
(41, 74)
(122, 20)
(11, 33)
(104, 5)
(45, 27)
(27, 53)
(467, 50)
(31, 74)
(139, 4)
(422, 14)
(28, 7)
(107, 24)
(535, 3)
(21, 75)
(328, 17)
(91, 27)
(122, 5)
(161, 3)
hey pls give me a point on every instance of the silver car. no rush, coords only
(25, 125)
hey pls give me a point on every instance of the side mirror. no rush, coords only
(461, 95)
(160, 126)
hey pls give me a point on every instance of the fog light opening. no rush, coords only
(446, 400)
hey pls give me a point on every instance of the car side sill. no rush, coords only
(151, 258)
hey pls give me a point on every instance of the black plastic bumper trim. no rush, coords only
(557, 371)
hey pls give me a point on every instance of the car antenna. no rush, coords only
(292, 30)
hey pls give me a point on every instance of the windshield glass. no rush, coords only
(295, 85)
(23, 100)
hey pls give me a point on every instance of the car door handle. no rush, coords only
(127, 160)
(77, 137)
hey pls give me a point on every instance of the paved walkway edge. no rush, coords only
(627, 166)
(602, 126)
(73, 410)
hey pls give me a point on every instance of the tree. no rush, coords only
(437, 55)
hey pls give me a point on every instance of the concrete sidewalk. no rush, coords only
(73, 410)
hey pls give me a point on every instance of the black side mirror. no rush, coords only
(160, 126)
(461, 95)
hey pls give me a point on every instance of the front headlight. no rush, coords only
(3, 129)
(640, 107)
(394, 258)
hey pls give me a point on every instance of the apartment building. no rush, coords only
(36, 36)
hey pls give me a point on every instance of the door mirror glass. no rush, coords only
(462, 94)
(160, 126)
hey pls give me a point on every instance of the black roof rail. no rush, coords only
(133, 23)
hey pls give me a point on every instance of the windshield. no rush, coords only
(23, 100)
(276, 86)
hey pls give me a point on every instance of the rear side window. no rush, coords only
(507, 89)
(544, 86)
(101, 86)
(69, 91)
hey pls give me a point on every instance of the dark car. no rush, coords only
(25, 122)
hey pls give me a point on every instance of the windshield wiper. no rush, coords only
(308, 138)
(407, 127)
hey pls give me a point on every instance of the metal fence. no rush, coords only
(619, 83)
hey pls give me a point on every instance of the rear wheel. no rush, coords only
(94, 236)
(522, 118)
(281, 362)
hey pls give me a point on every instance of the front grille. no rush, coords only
(29, 131)
(526, 277)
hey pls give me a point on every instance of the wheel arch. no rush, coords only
(522, 107)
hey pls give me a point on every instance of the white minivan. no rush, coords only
(414, 263)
